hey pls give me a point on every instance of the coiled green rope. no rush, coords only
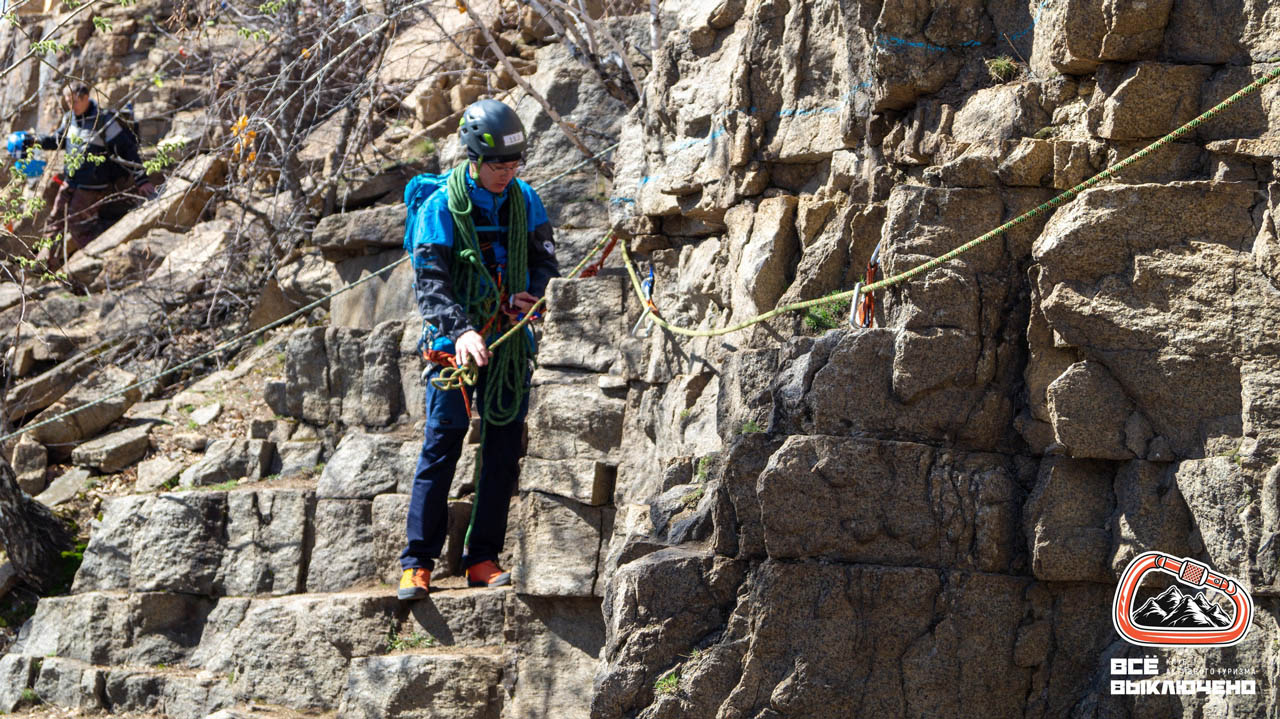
(480, 296)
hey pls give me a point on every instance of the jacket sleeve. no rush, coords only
(542, 246)
(542, 259)
(124, 145)
(432, 264)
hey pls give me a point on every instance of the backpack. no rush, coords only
(416, 192)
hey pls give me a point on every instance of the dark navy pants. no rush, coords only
(442, 445)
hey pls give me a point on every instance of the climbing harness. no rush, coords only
(1193, 574)
(863, 288)
(646, 319)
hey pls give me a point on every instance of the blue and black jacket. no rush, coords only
(97, 132)
(429, 237)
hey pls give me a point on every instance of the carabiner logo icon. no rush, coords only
(1178, 618)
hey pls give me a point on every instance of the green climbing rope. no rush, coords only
(481, 296)
(930, 264)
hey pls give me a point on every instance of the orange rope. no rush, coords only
(595, 268)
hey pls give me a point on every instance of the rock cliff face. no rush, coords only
(927, 518)
(934, 519)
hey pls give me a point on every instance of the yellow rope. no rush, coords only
(635, 283)
(451, 378)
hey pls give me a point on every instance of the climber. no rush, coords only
(475, 274)
(87, 134)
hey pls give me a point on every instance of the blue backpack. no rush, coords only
(416, 193)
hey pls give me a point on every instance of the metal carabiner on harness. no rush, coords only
(646, 318)
(1154, 626)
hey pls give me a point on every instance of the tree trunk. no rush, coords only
(31, 535)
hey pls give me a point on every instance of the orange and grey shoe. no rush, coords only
(487, 574)
(414, 584)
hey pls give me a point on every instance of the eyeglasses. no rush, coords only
(504, 167)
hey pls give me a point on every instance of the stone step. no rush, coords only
(424, 686)
(293, 650)
(253, 541)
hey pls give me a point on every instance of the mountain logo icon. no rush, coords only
(1215, 612)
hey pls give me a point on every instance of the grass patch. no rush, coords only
(826, 316)
(221, 487)
(692, 498)
(29, 696)
(684, 413)
(69, 563)
(1045, 132)
(667, 683)
(751, 427)
(418, 640)
(703, 468)
(1002, 68)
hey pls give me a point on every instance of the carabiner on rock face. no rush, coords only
(1188, 620)
(866, 304)
(855, 307)
(646, 318)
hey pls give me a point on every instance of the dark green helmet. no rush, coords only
(491, 131)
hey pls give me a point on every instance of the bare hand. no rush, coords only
(520, 303)
(470, 346)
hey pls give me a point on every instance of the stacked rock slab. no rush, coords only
(189, 602)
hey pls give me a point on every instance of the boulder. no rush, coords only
(111, 453)
(423, 686)
(30, 460)
(352, 233)
(178, 546)
(295, 650)
(109, 628)
(267, 542)
(761, 267)
(299, 458)
(109, 556)
(1147, 281)
(17, 674)
(388, 297)
(227, 460)
(580, 330)
(692, 592)
(1066, 521)
(68, 683)
(559, 546)
(157, 473)
(362, 467)
(856, 500)
(65, 487)
(573, 421)
(1089, 411)
(206, 414)
(1145, 100)
(586, 481)
(1003, 112)
(89, 422)
(1075, 37)
(344, 549)
(558, 643)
